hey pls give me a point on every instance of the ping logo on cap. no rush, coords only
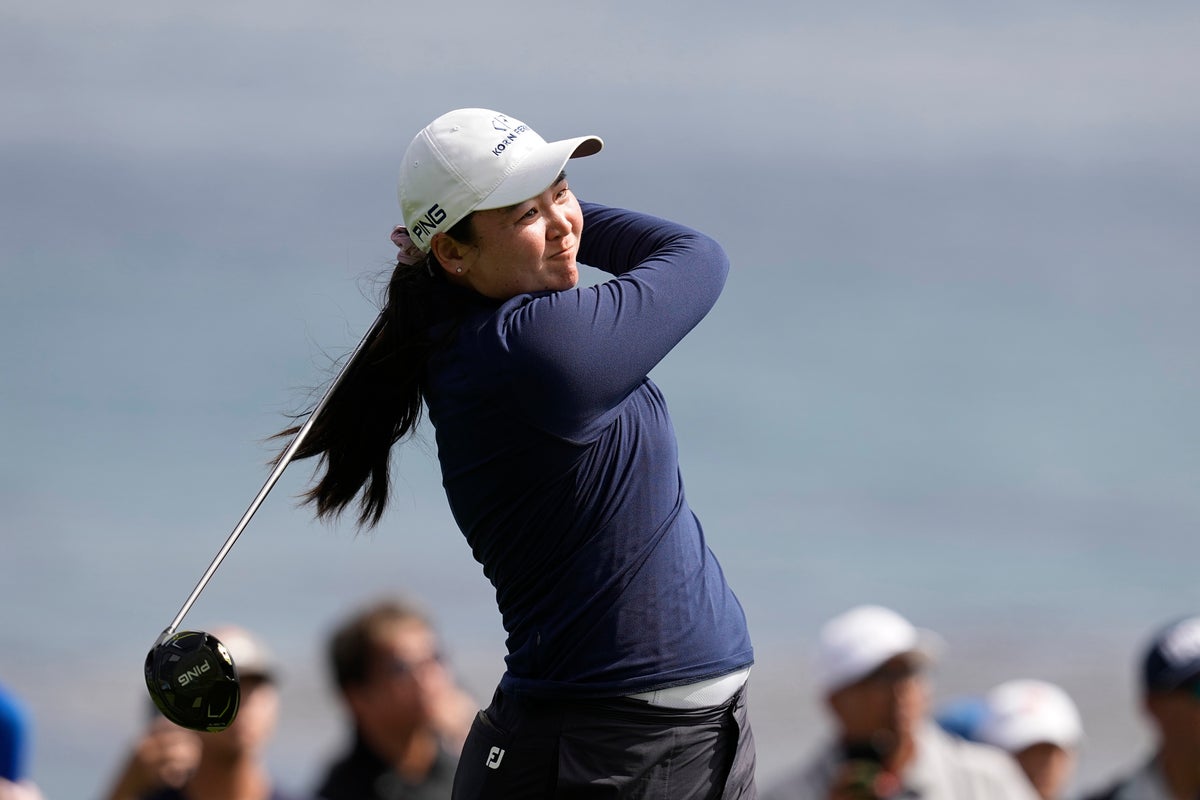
(428, 223)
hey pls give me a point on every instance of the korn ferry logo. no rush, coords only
(511, 132)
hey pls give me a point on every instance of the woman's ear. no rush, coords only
(450, 254)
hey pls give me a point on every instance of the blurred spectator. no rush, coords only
(14, 750)
(163, 758)
(20, 790)
(1170, 682)
(408, 718)
(872, 670)
(14, 736)
(1038, 723)
(171, 763)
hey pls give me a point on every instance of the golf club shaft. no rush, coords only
(284, 460)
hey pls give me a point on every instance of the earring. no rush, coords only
(458, 269)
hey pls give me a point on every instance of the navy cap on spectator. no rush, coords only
(1173, 658)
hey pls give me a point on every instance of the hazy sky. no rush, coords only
(955, 368)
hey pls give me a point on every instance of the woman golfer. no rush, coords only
(627, 651)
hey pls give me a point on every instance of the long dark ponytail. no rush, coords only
(379, 400)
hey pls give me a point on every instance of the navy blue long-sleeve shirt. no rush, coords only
(560, 464)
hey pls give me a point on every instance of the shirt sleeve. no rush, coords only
(576, 355)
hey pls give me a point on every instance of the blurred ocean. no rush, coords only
(965, 390)
(955, 370)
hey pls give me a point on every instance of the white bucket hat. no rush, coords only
(474, 159)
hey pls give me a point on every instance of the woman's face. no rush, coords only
(528, 247)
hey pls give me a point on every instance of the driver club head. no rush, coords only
(192, 680)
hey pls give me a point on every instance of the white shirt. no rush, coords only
(944, 768)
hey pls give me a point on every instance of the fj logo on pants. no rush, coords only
(494, 758)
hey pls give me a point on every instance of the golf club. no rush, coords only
(190, 675)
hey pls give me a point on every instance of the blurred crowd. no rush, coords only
(407, 719)
(1019, 739)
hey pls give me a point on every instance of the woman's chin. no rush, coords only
(563, 280)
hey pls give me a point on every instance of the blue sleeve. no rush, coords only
(14, 725)
(577, 354)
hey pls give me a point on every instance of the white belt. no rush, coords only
(702, 694)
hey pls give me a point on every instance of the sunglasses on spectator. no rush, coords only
(397, 667)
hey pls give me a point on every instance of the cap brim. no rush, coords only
(926, 651)
(1017, 735)
(538, 171)
(930, 645)
(1024, 737)
(923, 655)
(1174, 679)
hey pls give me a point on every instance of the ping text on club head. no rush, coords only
(195, 672)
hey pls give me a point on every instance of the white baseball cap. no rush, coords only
(250, 656)
(853, 644)
(1020, 714)
(474, 159)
